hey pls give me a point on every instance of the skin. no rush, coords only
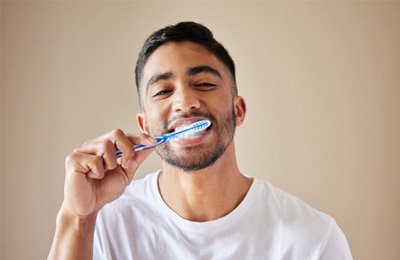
(94, 177)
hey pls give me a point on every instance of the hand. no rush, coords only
(93, 175)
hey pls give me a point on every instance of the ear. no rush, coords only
(240, 109)
(142, 122)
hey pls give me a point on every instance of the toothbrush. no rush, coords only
(192, 128)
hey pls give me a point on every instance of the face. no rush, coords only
(183, 83)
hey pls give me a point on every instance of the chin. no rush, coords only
(192, 158)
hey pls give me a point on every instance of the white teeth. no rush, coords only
(180, 128)
(189, 134)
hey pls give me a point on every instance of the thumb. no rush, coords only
(135, 161)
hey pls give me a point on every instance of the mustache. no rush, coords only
(208, 116)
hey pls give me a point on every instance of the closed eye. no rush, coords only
(205, 85)
(162, 92)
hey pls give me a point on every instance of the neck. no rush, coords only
(207, 194)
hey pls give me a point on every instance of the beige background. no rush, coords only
(321, 80)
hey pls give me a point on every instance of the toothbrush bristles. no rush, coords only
(193, 128)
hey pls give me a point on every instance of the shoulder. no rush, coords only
(290, 208)
(300, 225)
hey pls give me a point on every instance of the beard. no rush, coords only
(200, 157)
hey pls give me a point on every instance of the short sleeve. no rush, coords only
(336, 246)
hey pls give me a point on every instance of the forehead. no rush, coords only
(177, 58)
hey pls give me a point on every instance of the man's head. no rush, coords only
(184, 31)
(180, 82)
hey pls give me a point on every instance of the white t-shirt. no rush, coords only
(267, 224)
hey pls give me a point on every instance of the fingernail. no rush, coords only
(127, 163)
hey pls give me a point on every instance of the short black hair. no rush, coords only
(183, 31)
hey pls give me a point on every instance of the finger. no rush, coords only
(106, 136)
(136, 140)
(90, 165)
(139, 156)
(125, 146)
(120, 141)
(104, 149)
(143, 139)
(136, 162)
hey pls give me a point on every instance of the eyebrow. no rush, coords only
(204, 68)
(157, 77)
(190, 72)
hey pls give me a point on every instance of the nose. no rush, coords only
(185, 100)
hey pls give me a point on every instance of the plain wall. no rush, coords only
(321, 81)
(1, 131)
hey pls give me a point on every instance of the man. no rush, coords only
(199, 205)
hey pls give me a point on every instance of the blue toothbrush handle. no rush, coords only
(163, 138)
(141, 147)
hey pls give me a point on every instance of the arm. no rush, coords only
(73, 238)
(93, 178)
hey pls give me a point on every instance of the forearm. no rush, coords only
(73, 238)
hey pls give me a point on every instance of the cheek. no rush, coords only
(155, 122)
(223, 107)
(155, 110)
